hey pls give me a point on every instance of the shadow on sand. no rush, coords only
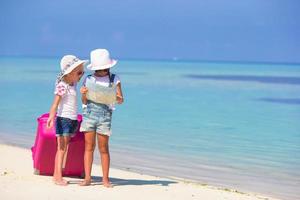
(97, 180)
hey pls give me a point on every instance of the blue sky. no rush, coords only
(232, 30)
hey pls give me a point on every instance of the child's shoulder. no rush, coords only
(62, 84)
(60, 88)
(113, 78)
(116, 78)
(88, 77)
(115, 75)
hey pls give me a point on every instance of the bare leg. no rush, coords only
(62, 144)
(89, 138)
(105, 158)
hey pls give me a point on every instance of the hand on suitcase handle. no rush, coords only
(50, 122)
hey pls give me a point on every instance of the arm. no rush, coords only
(52, 112)
(83, 91)
(120, 98)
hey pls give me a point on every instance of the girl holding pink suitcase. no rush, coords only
(64, 107)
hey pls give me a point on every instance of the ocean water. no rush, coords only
(231, 125)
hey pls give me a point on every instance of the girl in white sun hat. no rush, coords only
(100, 92)
(65, 105)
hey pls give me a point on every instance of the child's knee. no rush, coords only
(89, 146)
(62, 147)
(103, 148)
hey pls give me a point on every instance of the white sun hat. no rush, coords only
(100, 59)
(69, 62)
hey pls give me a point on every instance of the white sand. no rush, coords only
(18, 182)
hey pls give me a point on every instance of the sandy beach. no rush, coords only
(17, 181)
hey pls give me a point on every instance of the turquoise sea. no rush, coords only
(234, 125)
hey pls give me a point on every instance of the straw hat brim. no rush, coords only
(107, 66)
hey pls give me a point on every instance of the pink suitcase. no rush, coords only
(44, 150)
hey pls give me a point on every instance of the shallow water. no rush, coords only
(228, 124)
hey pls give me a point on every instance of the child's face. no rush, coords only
(76, 74)
(102, 72)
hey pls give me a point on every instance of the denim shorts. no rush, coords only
(96, 118)
(65, 126)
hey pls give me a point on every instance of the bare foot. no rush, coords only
(85, 183)
(61, 182)
(107, 184)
